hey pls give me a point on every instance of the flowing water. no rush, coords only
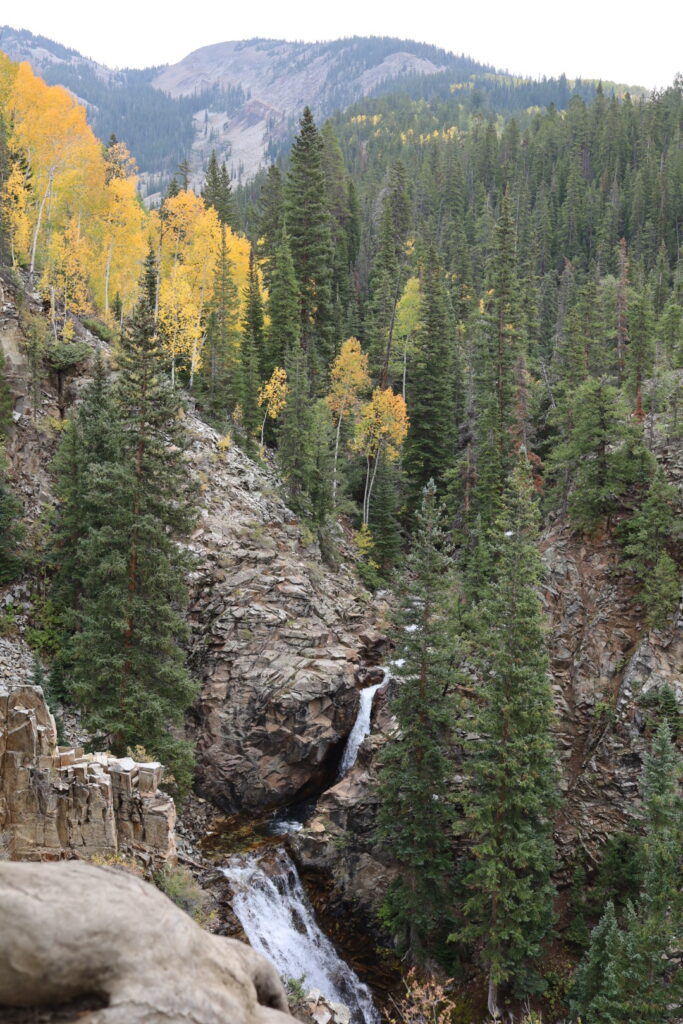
(361, 727)
(279, 922)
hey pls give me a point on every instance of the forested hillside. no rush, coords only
(449, 321)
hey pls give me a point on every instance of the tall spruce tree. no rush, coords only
(218, 385)
(432, 388)
(511, 787)
(284, 325)
(499, 375)
(252, 353)
(217, 192)
(128, 674)
(295, 453)
(414, 822)
(310, 238)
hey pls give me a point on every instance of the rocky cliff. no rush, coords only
(56, 801)
(278, 636)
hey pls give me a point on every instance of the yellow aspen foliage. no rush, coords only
(15, 201)
(120, 243)
(64, 280)
(349, 379)
(273, 394)
(179, 320)
(64, 158)
(383, 425)
(381, 430)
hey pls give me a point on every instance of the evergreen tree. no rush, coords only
(217, 192)
(652, 527)
(432, 396)
(271, 219)
(384, 519)
(390, 270)
(284, 326)
(597, 992)
(295, 435)
(128, 671)
(499, 365)
(310, 239)
(415, 813)
(511, 779)
(252, 353)
(87, 444)
(219, 382)
(602, 457)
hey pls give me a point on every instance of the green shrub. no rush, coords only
(182, 888)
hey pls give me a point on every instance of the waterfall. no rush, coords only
(361, 727)
(279, 922)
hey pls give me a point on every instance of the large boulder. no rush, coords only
(69, 930)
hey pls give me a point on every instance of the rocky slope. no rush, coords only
(280, 78)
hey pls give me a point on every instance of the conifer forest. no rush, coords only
(441, 329)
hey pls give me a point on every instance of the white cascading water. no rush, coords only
(361, 727)
(279, 922)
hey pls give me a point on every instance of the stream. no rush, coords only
(279, 922)
(275, 913)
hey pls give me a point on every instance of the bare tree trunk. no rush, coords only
(36, 232)
(492, 999)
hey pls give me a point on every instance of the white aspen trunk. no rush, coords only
(492, 999)
(336, 457)
(106, 279)
(372, 484)
(36, 232)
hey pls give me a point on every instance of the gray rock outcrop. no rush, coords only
(56, 801)
(71, 930)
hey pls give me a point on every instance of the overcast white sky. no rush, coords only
(636, 43)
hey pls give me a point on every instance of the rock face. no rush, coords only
(73, 930)
(604, 664)
(277, 638)
(56, 801)
(339, 839)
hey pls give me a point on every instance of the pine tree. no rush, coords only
(87, 444)
(128, 672)
(597, 992)
(217, 192)
(252, 357)
(650, 530)
(284, 326)
(511, 779)
(295, 436)
(384, 518)
(432, 396)
(310, 239)
(602, 457)
(499, 373)
(415, 813)
(271, 219)
(219, 377)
